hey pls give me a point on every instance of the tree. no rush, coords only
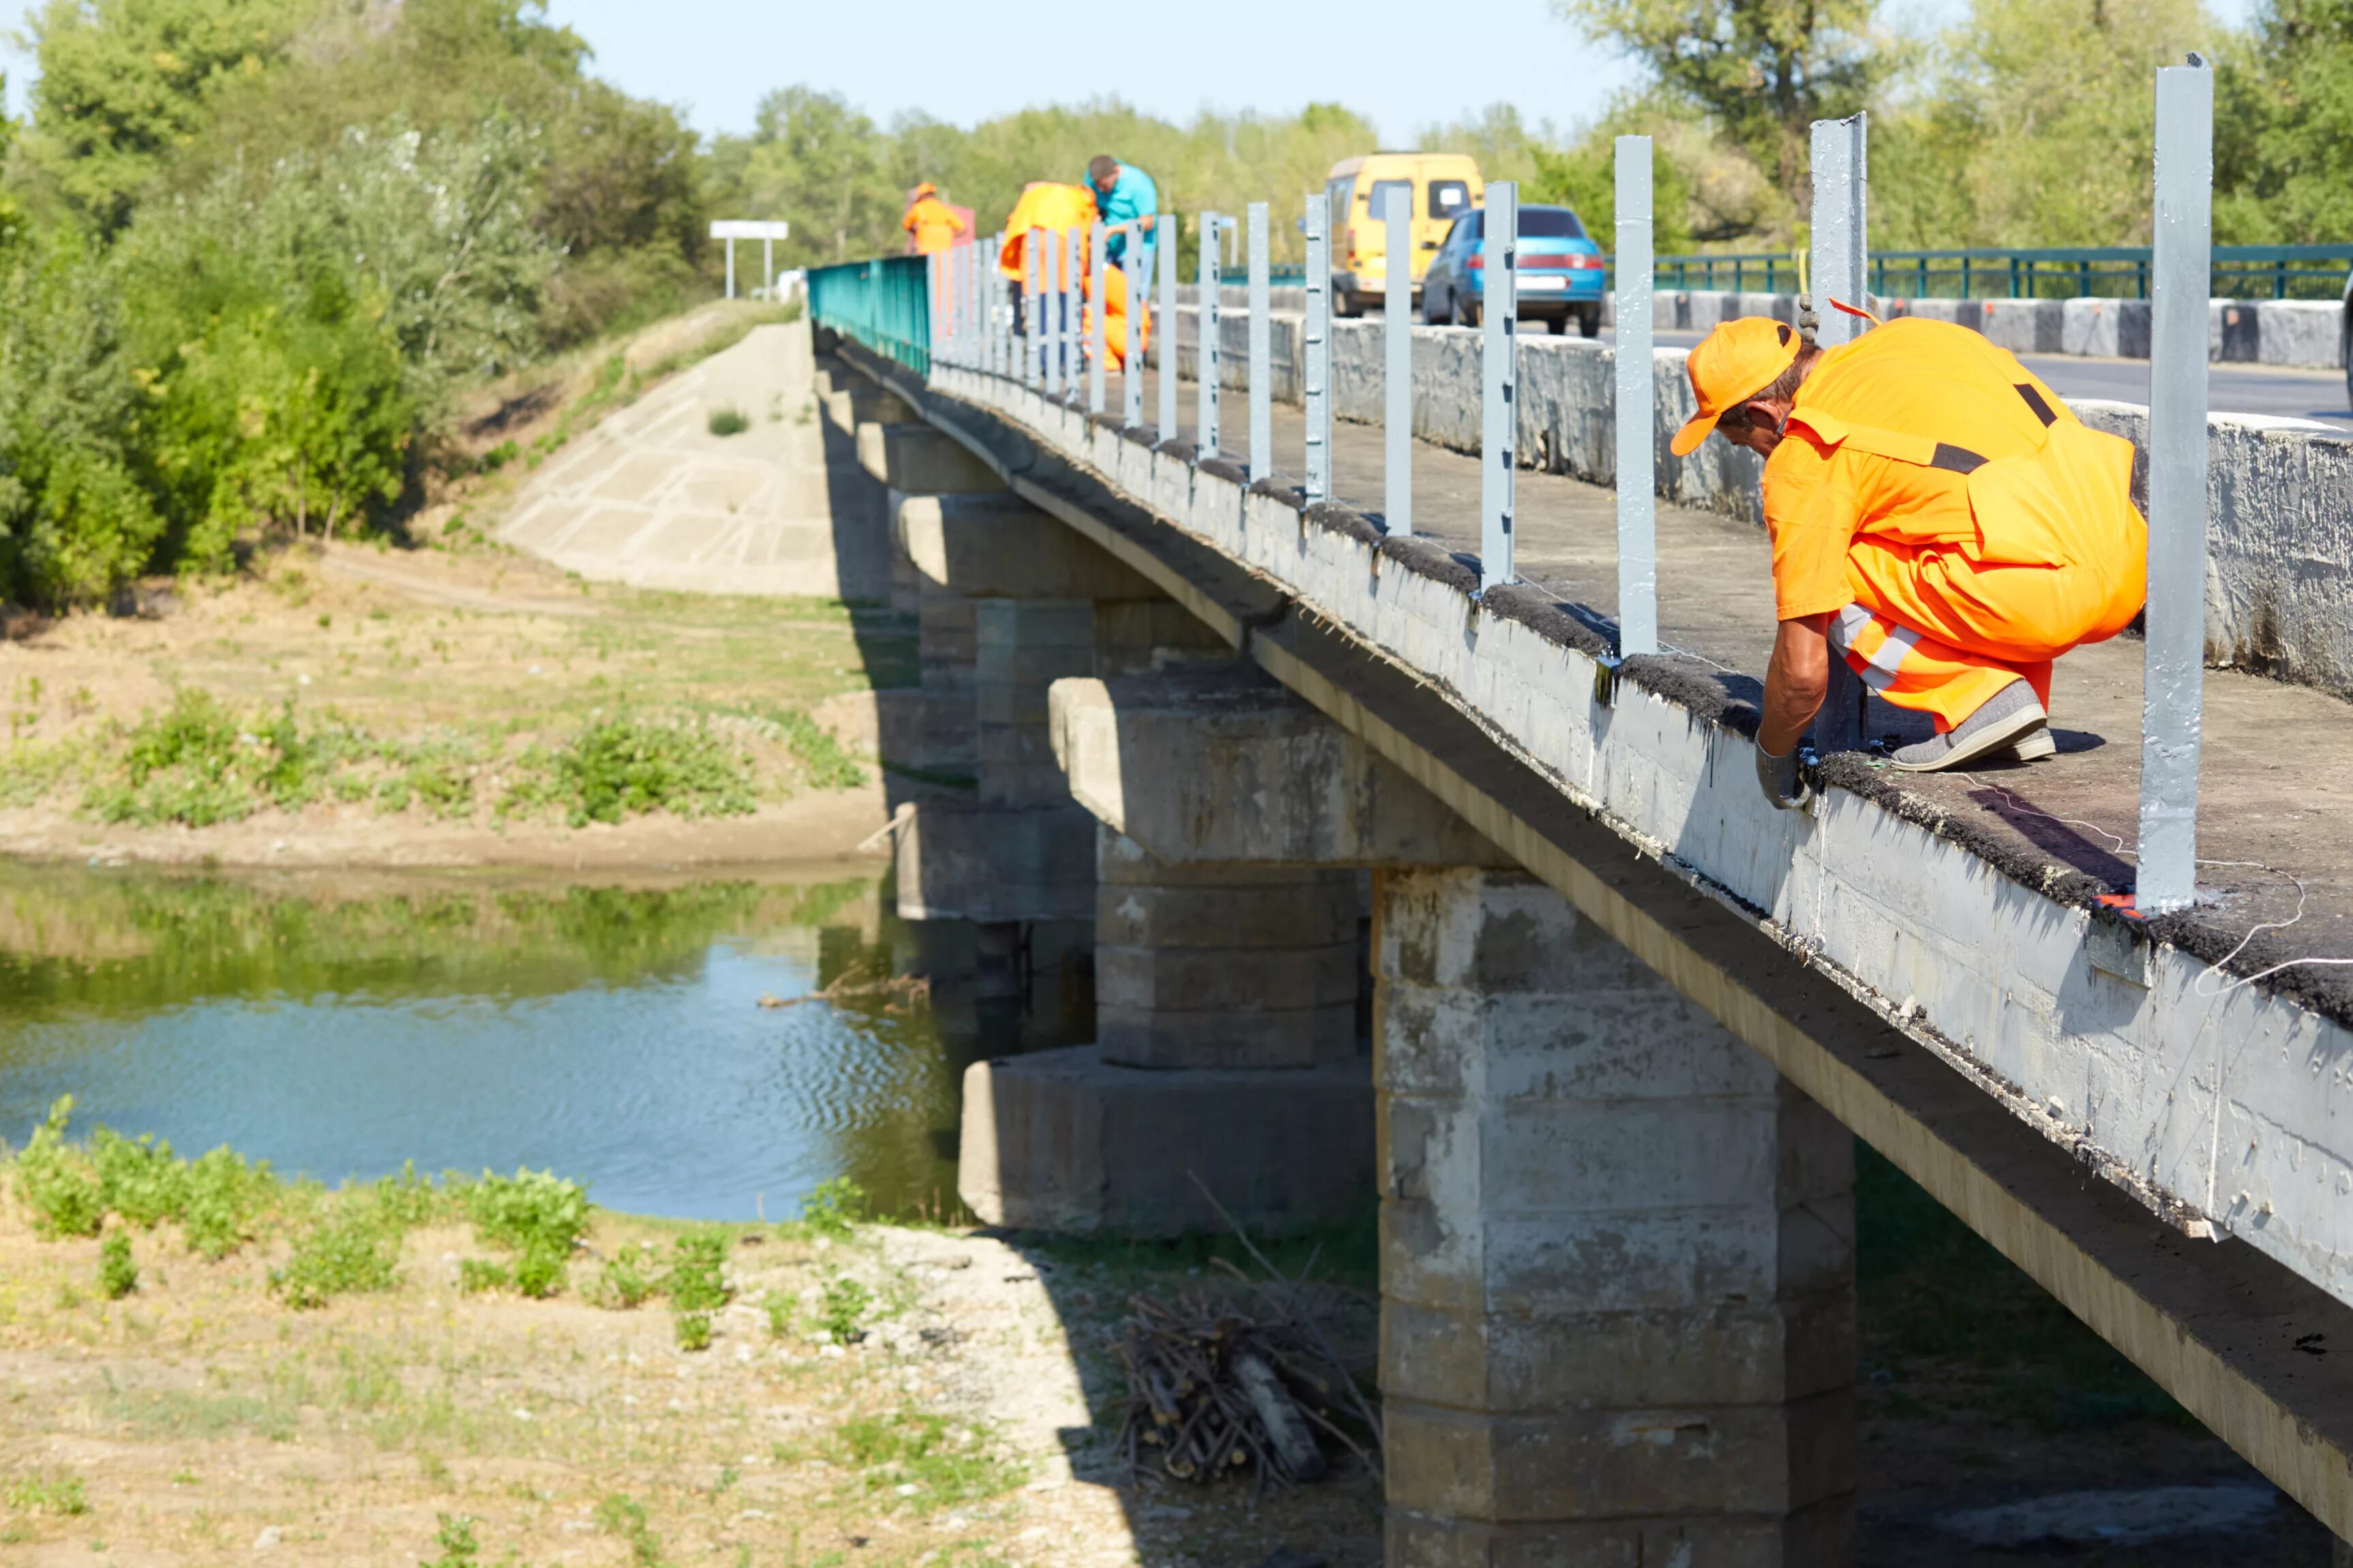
(1761, 70)
(819, 164)
(124, 83)
(2282, 122)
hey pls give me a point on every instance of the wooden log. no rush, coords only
(1286, 1429)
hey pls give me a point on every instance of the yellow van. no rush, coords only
(1445, 186)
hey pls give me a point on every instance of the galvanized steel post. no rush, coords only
(1314, 393)
(1097, 335)
(1207, 278)
(1397, 333)
(934, 319)
(2174, 657)
(1262, 349)
(1165, 259)
(1499, 246)
(1075, 241)
(731, 266)
(1033, 307)
(1637, 452)
(1842, 188)
(1131, 358)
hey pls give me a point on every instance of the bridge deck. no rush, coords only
(2275, 809)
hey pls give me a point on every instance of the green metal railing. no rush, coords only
(2241, 272)
(883, 303)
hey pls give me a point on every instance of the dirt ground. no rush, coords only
(199, 1421)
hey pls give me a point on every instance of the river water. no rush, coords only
(344, 1028)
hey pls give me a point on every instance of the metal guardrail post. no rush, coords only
(1074, 242)
(1165, 259)
(2174, 658)
(1131, 359)
(1262, 349)
(1841, 186)
(1397, 347)
(1098, 335)
(1637, 447)
(1314, 392)
(1206, 280)
(1499, 415)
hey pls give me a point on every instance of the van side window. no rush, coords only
(1448, 197)
(1379, 197)
(1338, 193)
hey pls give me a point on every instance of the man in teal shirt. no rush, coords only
(1124, 194)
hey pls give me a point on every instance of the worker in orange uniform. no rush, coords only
(1117, 314)
(1054, 208)
(931, 224)
(1939, 517)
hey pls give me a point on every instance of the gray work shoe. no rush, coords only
(2010, 720)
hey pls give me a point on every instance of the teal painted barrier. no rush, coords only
(883, 303)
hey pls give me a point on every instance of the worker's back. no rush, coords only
(1936, 381)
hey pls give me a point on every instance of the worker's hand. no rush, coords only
(1783, 782)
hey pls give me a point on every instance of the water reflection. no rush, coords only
(615, 1034)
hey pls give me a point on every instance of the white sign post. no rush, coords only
(767, 234)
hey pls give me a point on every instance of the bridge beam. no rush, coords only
(1616, 1254)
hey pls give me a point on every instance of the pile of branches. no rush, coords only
(897, 993)
(1214, 1392)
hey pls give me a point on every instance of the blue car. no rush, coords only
(1561, 272)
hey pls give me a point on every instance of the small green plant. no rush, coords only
(625, 765)
(626, 1282)
(62, 1495)
(729, 421)
(624, 1515)
(348, 1249)
(118, 1276)
(536, 1215)
(693, 1330)
(56, 1180)
(479, 1276)
(696, 1281)
(842, 1310)
(455, 1540)
(225, 1194)
(781, 1309)
(833, 1205)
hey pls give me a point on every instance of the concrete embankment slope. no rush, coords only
(652, 497)
(1962, 999)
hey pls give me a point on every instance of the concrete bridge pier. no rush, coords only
(1616, 1254)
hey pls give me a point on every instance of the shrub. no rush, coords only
(455, 1540)
(478, 1276)
(537, 1216)
(626, 1283)
(696, 1281)
(729, 422)
(224, 1195)
(197, 763)
(57, 1182)
(348, 1249)
(842, 1310)
(118, 1276)
(693, 1331)
(618, 766)
(138, 1178)
(833, 1205)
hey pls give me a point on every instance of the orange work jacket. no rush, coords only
(1045, 206)
(1921, 434)
(934, 223)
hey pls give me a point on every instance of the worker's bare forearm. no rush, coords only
(1795, 683)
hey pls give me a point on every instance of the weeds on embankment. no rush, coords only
(198, 764)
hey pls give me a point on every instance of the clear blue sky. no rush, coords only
(1407, 65)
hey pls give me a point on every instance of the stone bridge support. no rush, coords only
(1617, 1250)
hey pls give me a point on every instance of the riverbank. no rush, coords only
(449, 705)
(876, 1395)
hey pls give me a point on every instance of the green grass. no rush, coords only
(946, 1462)
(349, 1249)
(1949, 1324)
(118, 1276)
(63, 1496)
(624, 1515)
(841, 1311)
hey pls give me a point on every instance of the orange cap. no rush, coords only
(927, 189)
(1736, 361)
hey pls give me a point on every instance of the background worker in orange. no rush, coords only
(935, 226)
(1940, 518)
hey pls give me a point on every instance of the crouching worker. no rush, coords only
(1120, 312)
(1940, 520)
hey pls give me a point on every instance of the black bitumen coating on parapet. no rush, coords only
(1225, 469)
(1145, 436)
(1731, 702)
(1106, 422)
(1345, 522)
(1290, 496)
(1176, 446)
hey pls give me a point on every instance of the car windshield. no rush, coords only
(1550, 223)
(1448, 197)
